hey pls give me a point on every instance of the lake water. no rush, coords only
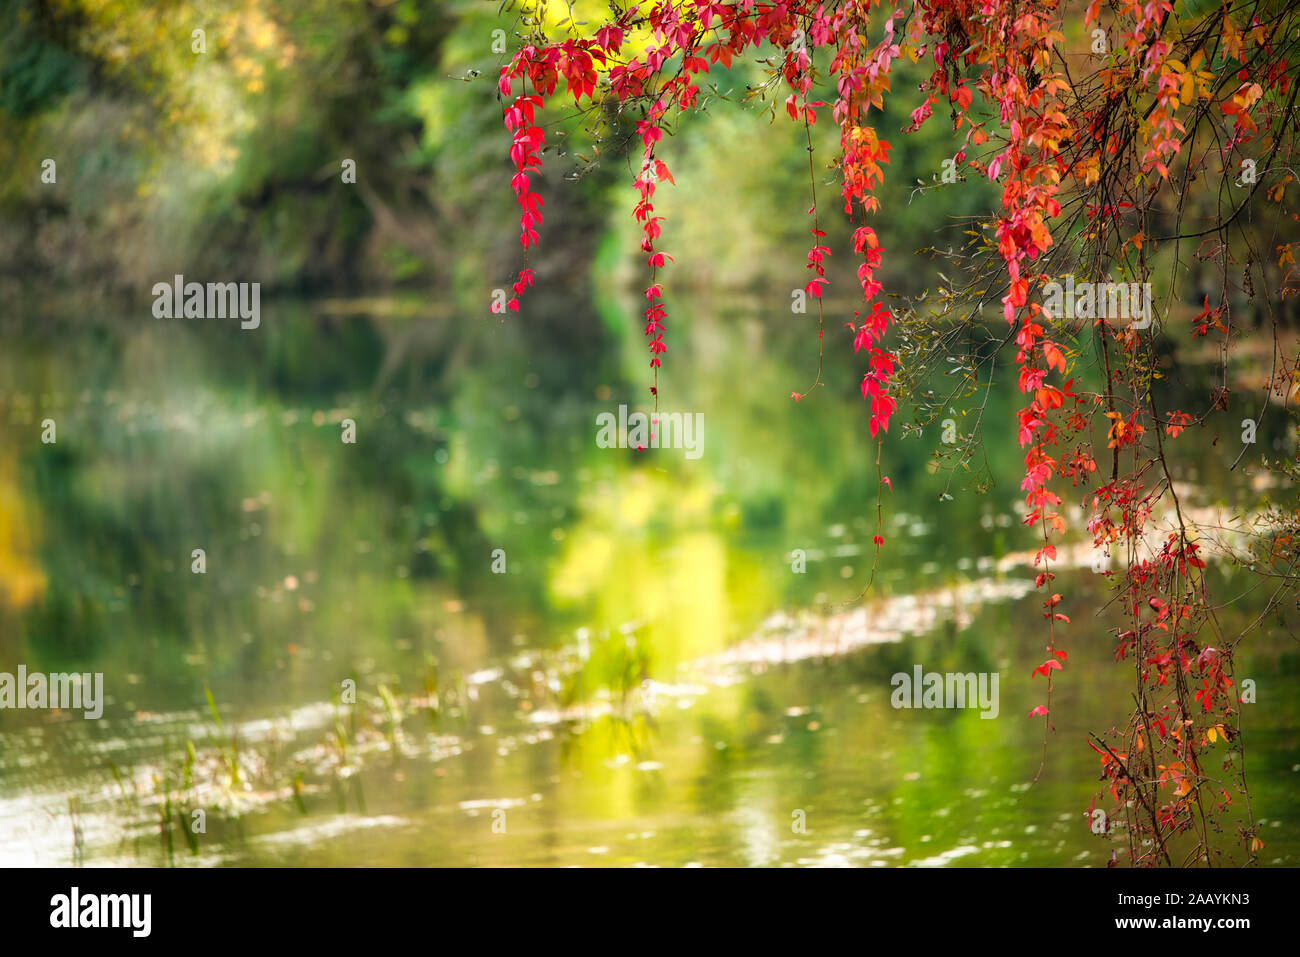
(562, 654)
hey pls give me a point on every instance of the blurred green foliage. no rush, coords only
(229, 161)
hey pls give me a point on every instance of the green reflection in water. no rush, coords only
(577, 699)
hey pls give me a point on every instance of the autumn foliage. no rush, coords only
(1091, 121)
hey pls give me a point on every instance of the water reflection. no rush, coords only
(561, 654)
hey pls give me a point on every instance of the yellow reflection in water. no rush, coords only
(644, 556)
(21, 580)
